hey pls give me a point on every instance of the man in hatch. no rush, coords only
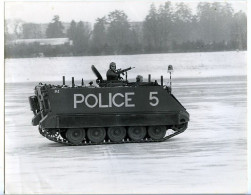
(112, 73)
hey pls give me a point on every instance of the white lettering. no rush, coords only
(110, 100)
(100, 101)
(92, 100)
(152, 97)
(113, 100)
(127, 99)
(95, 98)
(78, 101)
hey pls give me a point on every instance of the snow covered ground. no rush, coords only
(209, 157)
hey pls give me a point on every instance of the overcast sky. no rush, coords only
(43, 12)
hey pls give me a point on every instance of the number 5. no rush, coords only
(153, 98)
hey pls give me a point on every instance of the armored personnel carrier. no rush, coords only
(109, 112)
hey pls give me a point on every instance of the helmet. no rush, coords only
(139, 78)
(112, 64)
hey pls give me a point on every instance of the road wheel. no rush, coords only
(116, 134)
(96, 135)
(157, 132)
(75, 136)
(136, 133)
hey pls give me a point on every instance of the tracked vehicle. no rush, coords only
(109, 112)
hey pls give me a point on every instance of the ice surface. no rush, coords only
(209, 157)
(188, 65)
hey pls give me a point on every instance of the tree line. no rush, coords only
(167, 28)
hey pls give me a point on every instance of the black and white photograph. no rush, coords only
(125, 97)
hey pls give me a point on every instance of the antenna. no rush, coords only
(72, 82)
(63, 80)
(170, 70)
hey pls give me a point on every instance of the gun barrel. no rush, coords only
(124, 70)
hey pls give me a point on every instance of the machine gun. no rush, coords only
(119, 71)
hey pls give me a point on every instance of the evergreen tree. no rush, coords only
(183, 20)
(119, 32)
(239, 31)
(215, 21)
(157, 28)
(71, 32)
(150, 30)
(99, 36)
(165, 26)
(55, 28)
(81, 39)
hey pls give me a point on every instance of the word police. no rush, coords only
(113, 100)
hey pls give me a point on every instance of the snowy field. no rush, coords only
(209, 157)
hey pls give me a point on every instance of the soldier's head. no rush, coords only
(139, 78)
(113, 65)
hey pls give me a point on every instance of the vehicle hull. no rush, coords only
(126, 113)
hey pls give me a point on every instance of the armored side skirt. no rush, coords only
(108, 120)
